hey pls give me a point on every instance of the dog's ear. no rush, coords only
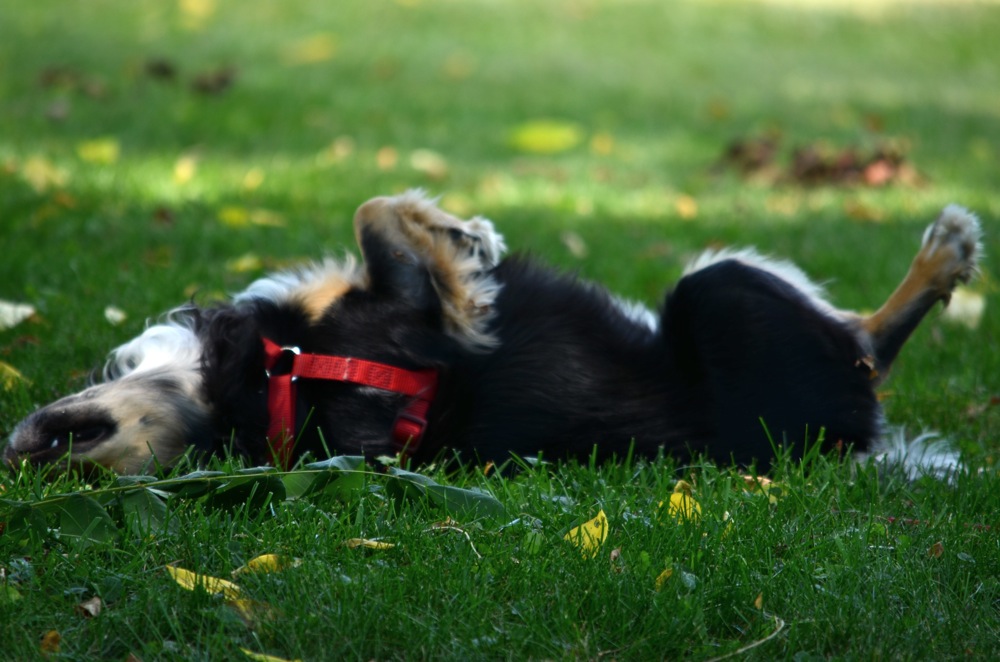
(427, 257)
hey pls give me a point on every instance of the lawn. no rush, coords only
(151, 152)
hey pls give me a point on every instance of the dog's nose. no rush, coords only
(60, 428)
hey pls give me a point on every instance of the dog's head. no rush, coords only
(422, 295)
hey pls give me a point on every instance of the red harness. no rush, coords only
(286, 365)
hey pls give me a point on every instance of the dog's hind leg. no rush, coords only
(947, 257)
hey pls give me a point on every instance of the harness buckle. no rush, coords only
(283, 362)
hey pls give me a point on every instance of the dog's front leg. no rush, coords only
(408, 244)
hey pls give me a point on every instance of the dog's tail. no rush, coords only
(928, 454)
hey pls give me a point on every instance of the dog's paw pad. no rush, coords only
(954, 239)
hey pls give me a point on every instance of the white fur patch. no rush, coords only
(925, 455)
(172, 344)
(783, 269)
(286, 285)
(638, 313)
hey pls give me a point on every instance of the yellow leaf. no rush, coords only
(266, 218)
(101, 151)
(253, 179)
(196, 13)
(354, 543)
(234, 217)
(662, 578)
(429, 163)
(311, 50)
(683, 507)
(50, 643)
(244, 263)
(42, 174)
(261, 657)
(589, 536)
(386, 158)
(185, 169)
(190, 580)
(545, 136)
(267, 563)
(602, 144)
(10, 376)
(687, 207)
(758, 602)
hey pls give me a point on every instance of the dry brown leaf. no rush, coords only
(936, 550)
(89, 608)
(51, 642)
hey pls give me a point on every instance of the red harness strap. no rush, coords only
(286, 365)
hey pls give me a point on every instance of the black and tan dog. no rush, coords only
(434, 343)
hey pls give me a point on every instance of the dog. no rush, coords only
(435, 344)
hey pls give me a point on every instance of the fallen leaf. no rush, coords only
(214, 81)
(195, 14)
(386, 158)
(683, 508)
(185, 168)
(8, 593)
(966, 307)
(50, 643)
(253, 179)
(267, 563)
(589, 536)
(245, 263)
(10, 376)
(574, 243)
(662, 578)
(429, 163)
(313, 49)
(160, 69)
(261, 657)
(602, 144)
(100, 151)
(545, 136)
(190, 580)
(936, 550)
(89, 608)
(354, 543)
(12, 314)
(687, 207)
(43, 175)
(114, 315)
(758, 602)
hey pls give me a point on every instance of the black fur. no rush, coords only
(741, 358)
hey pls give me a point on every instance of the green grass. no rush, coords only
(654, 91)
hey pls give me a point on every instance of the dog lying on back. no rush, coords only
(435, 343)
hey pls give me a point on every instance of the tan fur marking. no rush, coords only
(317, 296)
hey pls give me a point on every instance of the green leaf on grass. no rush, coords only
(83, 520)
(145, 512)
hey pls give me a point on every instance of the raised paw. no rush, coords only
(951, 249)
